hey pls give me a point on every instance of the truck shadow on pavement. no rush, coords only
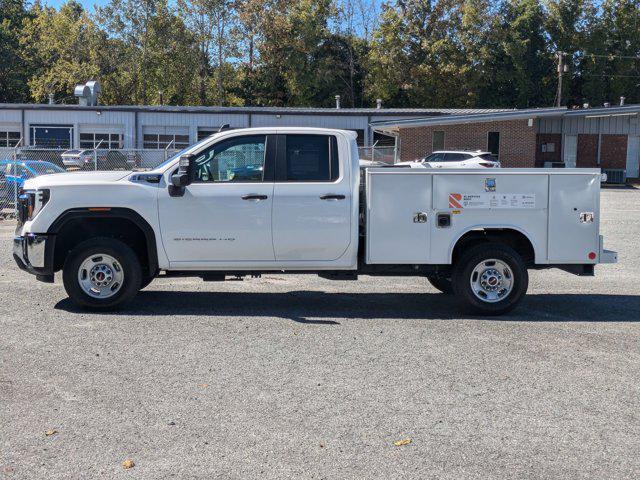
(316, 307)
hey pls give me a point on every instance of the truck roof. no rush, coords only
(292, 129)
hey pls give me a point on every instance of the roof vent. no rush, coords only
(585, 105)
(338, 101)
(622, 99)
(607, 104)
(88, 93)
(378, 103)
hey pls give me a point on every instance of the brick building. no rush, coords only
(607, 137)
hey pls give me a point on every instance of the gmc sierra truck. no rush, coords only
(295, 200)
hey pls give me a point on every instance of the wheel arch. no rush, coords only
(515, 237)
(90, 220)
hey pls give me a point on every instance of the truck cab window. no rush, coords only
(311, 158)
(239, 159)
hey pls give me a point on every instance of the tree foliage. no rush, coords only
(409, 53)
(13, 72)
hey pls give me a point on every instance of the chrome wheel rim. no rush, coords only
(100, 276)
(492, 280)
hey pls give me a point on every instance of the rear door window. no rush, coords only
(308, 158)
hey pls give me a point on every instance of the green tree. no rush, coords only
(13, 70)
(522, 69)
(212, 22)
(158, 55)
(567, 25)
(59, 48)
(290, 52)
(610, 65)
(417, 57)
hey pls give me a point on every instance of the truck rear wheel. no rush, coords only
(102, 274)
(490, 279)
(442, 284)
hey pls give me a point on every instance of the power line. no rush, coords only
(612, 75)
(631, 57)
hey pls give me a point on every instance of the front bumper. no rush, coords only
(32, 253)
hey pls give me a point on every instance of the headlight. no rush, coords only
(30, 202)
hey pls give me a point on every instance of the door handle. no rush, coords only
(332, 197)
(254, 197)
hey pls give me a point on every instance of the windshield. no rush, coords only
(171, 159)
(44, 168)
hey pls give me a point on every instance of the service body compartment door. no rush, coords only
(573, 218)
(399, 217)
(492, 198)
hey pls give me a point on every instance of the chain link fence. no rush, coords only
(18, 164)
(386, 155)
(22, 163)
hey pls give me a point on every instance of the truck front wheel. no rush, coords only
(490, 279)
(102, 274)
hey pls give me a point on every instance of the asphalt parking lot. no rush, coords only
(299, 377)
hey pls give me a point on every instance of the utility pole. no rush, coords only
(562, 68)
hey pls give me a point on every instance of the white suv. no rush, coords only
(455, 159)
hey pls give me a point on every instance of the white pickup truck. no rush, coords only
(295, 200)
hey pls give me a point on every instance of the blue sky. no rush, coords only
(88, 5)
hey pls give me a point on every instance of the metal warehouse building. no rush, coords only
(157, 127)
(606, 137)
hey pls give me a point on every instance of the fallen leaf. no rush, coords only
(50, 432)
(203, 385)
(400, 443)
(127, 464)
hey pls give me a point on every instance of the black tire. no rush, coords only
(147, 279)
(442, 284)
(125, 256)
(463, 271)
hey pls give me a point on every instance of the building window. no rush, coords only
(493, 143)
(548, 147)
(159, 141)
(438, 140)
(9, 139)
(51, 136)
(111, 141)
(204, 132)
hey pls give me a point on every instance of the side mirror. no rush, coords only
(185, 175)
(186, 171)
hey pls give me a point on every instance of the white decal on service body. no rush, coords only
(492, 200)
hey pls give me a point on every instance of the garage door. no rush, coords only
(570, 150)
(633, 154)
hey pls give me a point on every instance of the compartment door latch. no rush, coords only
(420, 217)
